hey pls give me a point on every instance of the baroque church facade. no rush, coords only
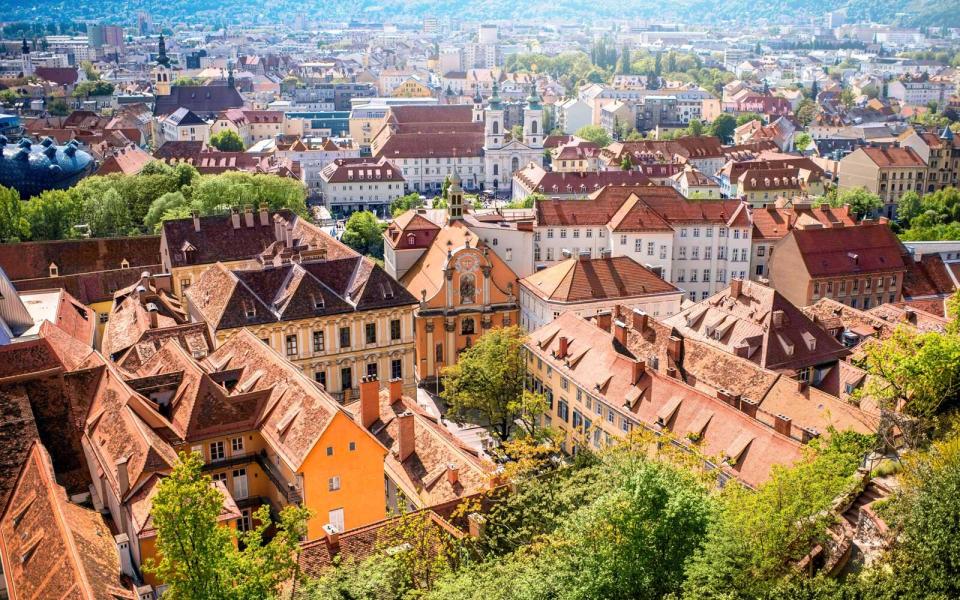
(502, 156)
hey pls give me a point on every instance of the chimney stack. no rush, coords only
(453, 473)
(248, 216)
(736, 287)
(396, 389)
(674, 345)
(604, 320)
(123, 478)
(781, 424)
(264, 215)
(639, 368)
(477, 524)
(332, 535)
(620, 331)
(564, 347)
(369, 401)
(235, 217)
(196, 220)
(808, 434)
(748, 407)
(288, 235)
(407, 435)
(778, 318)
(152, 314)
(639, 320)
(123, 549)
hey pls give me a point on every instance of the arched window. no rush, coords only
(468, 288)
(496, 126)
(496, 170)
(515, 165)
(533, 127)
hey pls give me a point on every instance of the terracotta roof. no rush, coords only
(129, 161)
(927, 277)
(58, 75)
(892, 156)
(663, 403)
(218, 240)
(228, 299)
(137, 309)
(32, 260)
(576, 280)
(598, 209)
(771, 179)
(836, 251)
(759, 324)
(89, 288)
(59, 549)
(343, 170)
(772, 223)
(432, 113)
(536, 178)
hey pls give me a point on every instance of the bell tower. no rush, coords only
(161, 72)
(533, 120)
(493, 121)
(455, 197)
(26, 62)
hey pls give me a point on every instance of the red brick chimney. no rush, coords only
(748, 407)
(604, 320)
(620, 331)
(639, 368)
(453, 473)
(673, 348)
(639, 320)
(406, 432)
(369, 401)
(396, 389)
(782, 424)
(564, 347)
(736, 287)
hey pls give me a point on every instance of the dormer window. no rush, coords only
(318, 302)
(124, 264)
(249, 310)
(411, 238)
(54, 270)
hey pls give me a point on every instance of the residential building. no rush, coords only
(590, 286)
(509, 233)
(336, 319)
(565, 184)
(183, 125)
(189, 246)
(692, 183)
(598, 393)
(573, 114)
(921, 90)
(888, 172)
(758, 323)
(860, 266)
(941, 152)
(575, 156)
(772, 222)
(206, 101)
(354, 184)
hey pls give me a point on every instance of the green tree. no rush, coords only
(516, 132)
(695, 127)
(908, 207)
(862, 203)
(58, 107)
(163, 207)
(723, 127)
(847, 98)
(625, 66)
(405, 203)
(594, 133)
(90, 71)
(364, 233)
(92, 88)
(488, 381)
(8, 97)
(626, 163)
(198, 558)
(227, 141)
(807, 111)
(52, 215)
(13, 226)
(744, 118)
(108, 215)
(802, 141)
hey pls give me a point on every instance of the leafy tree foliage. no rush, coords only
(227, 141)
(594, 133)
(744, 118)
(935, 216)
(364, 233)
(723, 127)
(13, 226)
(93, 88)
(198, 558)
(488, 381)
(405, 203)
(862, 203)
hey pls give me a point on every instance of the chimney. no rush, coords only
(196, 220)
(332, 535)
(248, 216)
(407, 434)
(564, 348)
(264, 215)
(288, 235)
(777, 318)
(639, 368)
(123, 549)
(736, 286)
(369, 400)
(639, 320)
(672, 372)
(145, 592)
(781, 424)
(748, 407)
(909, 315)
(235, 217)
(396, 389)
(123, 478)
(807, 434)
(604, 321)
(453, 473)
(620, 331)
(674, 345)
(801, 385)
(477, 524)
(152, 314)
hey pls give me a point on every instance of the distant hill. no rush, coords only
(693, 12)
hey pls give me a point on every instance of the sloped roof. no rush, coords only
(575, 280)
(31, 260)
(201, 99)
(835, 251)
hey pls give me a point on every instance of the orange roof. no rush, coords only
(576, 280)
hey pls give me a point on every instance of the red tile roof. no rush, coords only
(849, 250)
(343, 170)
(772, 223)
(32, 260)
(576, 280)
(889, 156)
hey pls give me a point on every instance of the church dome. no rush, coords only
(33, 168)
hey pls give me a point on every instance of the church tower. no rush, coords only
(162, 74)
(455, 197)
(231, 82)
(533, 120)
(477, 105)
(26, 62)
(493, 117)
